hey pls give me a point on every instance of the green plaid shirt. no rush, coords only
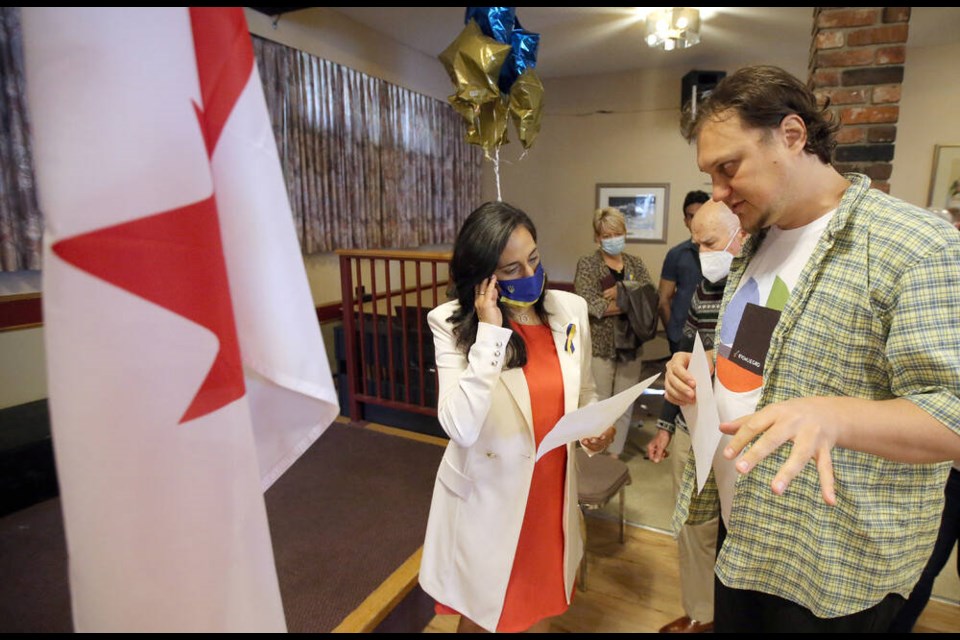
(875, 314)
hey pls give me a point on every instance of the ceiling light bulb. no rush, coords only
(673, 28)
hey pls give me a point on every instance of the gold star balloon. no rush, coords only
(492, 125)
(473, 62)
(491, 66)
(486, 124)
(467, 110)
(526, 106)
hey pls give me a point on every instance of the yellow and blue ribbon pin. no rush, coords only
(571, 333)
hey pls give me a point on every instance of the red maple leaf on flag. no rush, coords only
(175, 258)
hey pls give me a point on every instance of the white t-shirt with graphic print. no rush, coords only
(746, 329)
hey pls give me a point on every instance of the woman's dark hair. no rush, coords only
(762, 96)
(476, 253)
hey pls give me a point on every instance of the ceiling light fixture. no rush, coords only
(673, 28)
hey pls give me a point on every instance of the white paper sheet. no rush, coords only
(592, 420)
(702, 417)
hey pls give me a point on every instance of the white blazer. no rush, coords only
(480, 494)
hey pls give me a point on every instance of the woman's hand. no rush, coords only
(610, 295)
(486, 302)
(600, 442)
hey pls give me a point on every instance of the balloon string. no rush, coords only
(496, 171)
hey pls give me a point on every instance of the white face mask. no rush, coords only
(715, 265)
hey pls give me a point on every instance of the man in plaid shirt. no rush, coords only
(837, 373)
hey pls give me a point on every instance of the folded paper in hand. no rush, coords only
(702, 417)
(592, 420)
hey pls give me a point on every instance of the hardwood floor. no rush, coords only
(634, 587)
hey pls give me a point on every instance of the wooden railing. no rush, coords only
(388, 346)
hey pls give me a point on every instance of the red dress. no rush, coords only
(535, 590)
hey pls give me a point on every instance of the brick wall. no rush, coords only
(856, 59)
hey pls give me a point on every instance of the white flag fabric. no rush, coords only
(186, 368)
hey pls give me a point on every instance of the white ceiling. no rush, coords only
(576, 41)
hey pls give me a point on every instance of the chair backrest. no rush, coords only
(600, 477)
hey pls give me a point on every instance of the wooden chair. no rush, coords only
(600, 477)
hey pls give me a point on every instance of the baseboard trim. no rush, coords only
(384, 599)
(404, 433)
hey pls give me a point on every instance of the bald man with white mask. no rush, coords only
(716, 230)
(718, 234)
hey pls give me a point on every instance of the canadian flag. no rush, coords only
(186, 368)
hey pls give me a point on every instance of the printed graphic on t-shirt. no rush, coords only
(745, 335)
(750, 347)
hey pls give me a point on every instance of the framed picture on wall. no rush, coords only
(945, 178)
(644, 207)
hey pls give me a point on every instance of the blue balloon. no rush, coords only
(495, 22)
(523, 56)
(502, 24)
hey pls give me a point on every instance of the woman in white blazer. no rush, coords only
(497, 399)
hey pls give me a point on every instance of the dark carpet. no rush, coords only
(345, 516)
(34, 596)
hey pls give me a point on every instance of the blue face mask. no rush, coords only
(523, 292)
(613, 246)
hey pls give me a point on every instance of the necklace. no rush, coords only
(522, 316)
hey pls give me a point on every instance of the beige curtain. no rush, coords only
(368, 164)
(21, 223)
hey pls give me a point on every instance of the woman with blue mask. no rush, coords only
(503, 539)
(596, 282)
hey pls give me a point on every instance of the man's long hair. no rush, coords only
(762, 96)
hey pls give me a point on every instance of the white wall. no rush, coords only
(23, 375)
(929, 115)
(618, 128)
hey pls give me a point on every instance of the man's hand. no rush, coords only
(809, 423)
(657, 447)
(678, 385)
